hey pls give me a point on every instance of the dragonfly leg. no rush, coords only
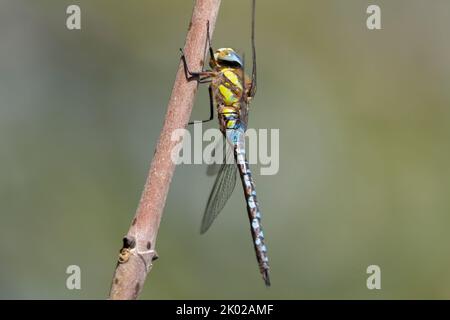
(190, 75)
(211, 108)
(204, 80)
(208, 43)
(203, 74)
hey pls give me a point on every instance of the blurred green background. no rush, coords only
(364, 119)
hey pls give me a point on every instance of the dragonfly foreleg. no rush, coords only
(200, 76)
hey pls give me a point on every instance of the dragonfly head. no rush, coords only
(226, 57)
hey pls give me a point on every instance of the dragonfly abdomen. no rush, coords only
(253, 210)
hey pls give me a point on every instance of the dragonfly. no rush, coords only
(230, 92)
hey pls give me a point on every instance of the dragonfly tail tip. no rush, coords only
(266, 278)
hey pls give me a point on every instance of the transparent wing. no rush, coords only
(220, 193)
(213, 169)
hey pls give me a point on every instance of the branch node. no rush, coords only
(129, 242)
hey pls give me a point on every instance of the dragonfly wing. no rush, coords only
(213, 168)
(220, 193)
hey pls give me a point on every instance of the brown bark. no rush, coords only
(138, 252)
